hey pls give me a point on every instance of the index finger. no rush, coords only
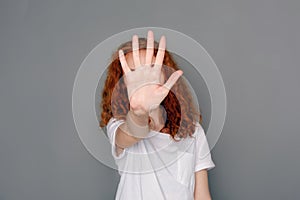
(160, 52)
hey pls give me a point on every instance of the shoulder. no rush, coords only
(199, 131)
(112, 124)
(114, 121)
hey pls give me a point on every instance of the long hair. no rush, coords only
(181, 112)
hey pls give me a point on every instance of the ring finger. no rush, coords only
(135, 53)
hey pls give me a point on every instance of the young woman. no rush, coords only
(158, 144)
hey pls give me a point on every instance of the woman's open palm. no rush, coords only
(144, 88)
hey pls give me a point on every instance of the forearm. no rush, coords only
(124, 136)
(141, 120)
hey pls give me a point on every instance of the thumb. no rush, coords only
(172, 79)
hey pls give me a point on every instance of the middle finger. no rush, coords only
(150, 46)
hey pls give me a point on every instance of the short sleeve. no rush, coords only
(111, 129)
(203, 158)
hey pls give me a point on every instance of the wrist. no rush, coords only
(137, 127)
(139, 112)
(139, 117)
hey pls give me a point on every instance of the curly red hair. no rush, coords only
(180, 109)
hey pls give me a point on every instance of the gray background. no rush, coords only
(255, 44)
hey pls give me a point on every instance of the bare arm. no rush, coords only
(201, 191)
(145, 88)
(123, 139)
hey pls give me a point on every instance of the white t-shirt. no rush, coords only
(159, 168)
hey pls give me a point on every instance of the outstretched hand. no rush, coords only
(144, 88)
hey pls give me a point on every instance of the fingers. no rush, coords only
(161, 52)
(150, 48)
(123, 62)
(172, 79)
(135, 51)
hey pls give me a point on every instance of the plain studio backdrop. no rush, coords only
(255, 45)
